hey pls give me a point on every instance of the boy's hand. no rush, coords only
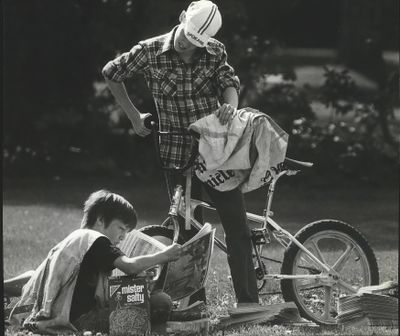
(173, 252)
(138, 125)
(225, 113)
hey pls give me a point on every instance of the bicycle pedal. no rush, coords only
(6, 301)
(261, 271)
(259, 236)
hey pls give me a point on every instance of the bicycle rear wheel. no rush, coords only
(338, 245)
(165, 236)
(161, 233)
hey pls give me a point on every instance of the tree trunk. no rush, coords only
(360, 37)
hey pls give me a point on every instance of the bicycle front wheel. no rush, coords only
(338, 245)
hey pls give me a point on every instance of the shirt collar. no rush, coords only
(169, 43)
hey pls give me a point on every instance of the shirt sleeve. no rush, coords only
(225, 74)
(126, 65)
(102, 254)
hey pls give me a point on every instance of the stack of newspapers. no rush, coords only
(282, 313)
(371, 306)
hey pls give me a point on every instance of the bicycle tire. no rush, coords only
(313, 233)
(160, 231)
(165, 236)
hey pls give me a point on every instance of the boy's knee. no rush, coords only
(160, 307)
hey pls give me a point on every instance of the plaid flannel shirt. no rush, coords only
(183, 93)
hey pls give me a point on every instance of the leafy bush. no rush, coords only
(359, 140)
(284, 102)
(337, 90)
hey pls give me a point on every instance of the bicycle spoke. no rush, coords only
(341, 261)
(328, 297)
(308, 284)
(312, 270)
(343, 284)
(318, 251)
(309, 261)
(308, 264)
(311, 288)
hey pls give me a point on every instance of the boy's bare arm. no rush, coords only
(138, 264)
(231, 97)
(121, 96)
(231, 101)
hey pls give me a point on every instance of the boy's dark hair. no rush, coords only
(108, 206)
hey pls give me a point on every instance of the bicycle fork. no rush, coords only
(174, 210)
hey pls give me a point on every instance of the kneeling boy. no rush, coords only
(68, 291)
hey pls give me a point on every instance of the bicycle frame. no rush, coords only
(328, 274)
(269, 226)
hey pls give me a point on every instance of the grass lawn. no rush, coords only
(38, 213)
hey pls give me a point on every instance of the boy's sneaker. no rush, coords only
(196, 311)
(246, 308)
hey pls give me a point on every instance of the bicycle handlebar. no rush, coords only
(194, 150)
(153, 126)
(297, 163)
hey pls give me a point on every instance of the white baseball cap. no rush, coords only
(202, 21)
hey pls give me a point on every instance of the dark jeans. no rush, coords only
(231, 210)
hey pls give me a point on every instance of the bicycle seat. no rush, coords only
(195, 203)
(296, 164)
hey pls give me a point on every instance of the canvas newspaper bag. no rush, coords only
(247, 152)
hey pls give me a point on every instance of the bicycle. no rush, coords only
(323, 261)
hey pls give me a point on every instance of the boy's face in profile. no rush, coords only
(181, 44)
(116, 231)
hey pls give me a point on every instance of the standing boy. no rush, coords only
(188, 75)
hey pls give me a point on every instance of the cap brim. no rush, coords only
(194, 37)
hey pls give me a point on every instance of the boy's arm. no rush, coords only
(231, 101)
(121, 96)
(231, 97)
(116, 72)
(138, 264)
(228, 85)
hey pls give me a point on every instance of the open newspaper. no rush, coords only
(184, 276)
